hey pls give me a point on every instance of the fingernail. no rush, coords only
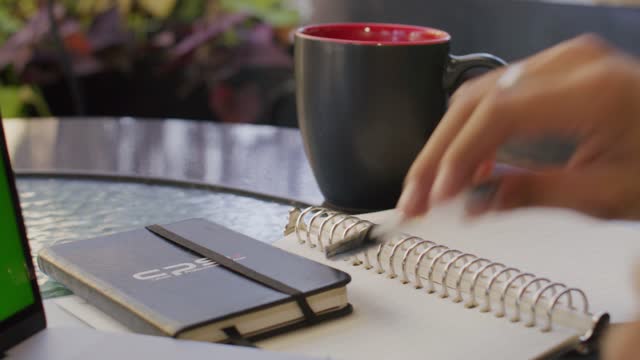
(483, 172)
(481, 197)
(439, 189)
(408, 201)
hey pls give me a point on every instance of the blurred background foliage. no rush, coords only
(50, 44)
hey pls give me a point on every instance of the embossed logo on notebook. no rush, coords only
(180, 269)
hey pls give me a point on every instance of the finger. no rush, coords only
(419, 178)
(574, 190)
(414, 198)
(484, 171)
(575, 52)
(474, 89)
(567, 54)
(570, 105)
(622, 342)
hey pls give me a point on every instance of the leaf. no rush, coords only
(124, 6)
(260, 50)
(10, 103)
(274, 12)
(9, 24)
(15, 98)
(282, 18)
(107, 30)
(75, 41)
(87, 9)
(230, 38)
(204, 34)
(97, 6)
(187, 11)
(261, 34)
(158, 8)
(27, 38)
(30, 95)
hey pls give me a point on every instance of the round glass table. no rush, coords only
(58, 209)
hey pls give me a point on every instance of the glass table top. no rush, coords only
(61, 210)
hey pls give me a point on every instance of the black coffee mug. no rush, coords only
(369, 96)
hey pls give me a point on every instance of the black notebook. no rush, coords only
(155, 287)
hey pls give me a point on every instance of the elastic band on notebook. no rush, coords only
(297, 295)
(235, 338)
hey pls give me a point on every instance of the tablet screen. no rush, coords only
(15, 283)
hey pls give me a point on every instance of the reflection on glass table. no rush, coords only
(57, 209)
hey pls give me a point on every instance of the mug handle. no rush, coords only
(458, 65)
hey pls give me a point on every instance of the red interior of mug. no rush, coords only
(374, 34)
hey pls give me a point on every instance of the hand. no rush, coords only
(583, 89)
(622, 341)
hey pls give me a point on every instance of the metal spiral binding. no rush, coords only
(345, 233)
(379, 268)
(321, 230)
(416, 269)
(405, 258)
(467, 266)
(430, 288)
(472, 289)
(554, 301)
(505, 289)
(538, 296)
(392, 257)
(522, 291)
(487, 291)
(299, 223)
(335, 226)
(543, 294)
(445, 291)
(313, 219)
(355, 261)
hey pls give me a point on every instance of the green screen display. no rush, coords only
(16, 291)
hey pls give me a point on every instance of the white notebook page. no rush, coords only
(565, 246)
(391, 320)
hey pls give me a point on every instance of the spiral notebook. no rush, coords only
(527, 284)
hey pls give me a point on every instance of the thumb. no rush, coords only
(597, 193)
(622, 342)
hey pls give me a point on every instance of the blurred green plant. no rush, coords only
(273, 12)
(17, 100)
(145, 15)
(22, 101)
(210, 39)
(8, 24)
